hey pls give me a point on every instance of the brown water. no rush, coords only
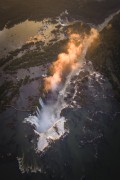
(91, 150)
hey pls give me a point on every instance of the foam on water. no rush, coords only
(48, 123)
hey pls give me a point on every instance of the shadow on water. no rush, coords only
(92, 119)
(17, 11)
(91, 150)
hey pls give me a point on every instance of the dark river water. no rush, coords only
(91, 149)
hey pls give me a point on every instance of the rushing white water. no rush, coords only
(107, 20)
(49, 125)
(100, 27)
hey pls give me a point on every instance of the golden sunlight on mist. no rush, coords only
(68, 61)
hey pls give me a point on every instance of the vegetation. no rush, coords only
(36, 58)
(8, 90)
(105, 53)
(16, 11)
